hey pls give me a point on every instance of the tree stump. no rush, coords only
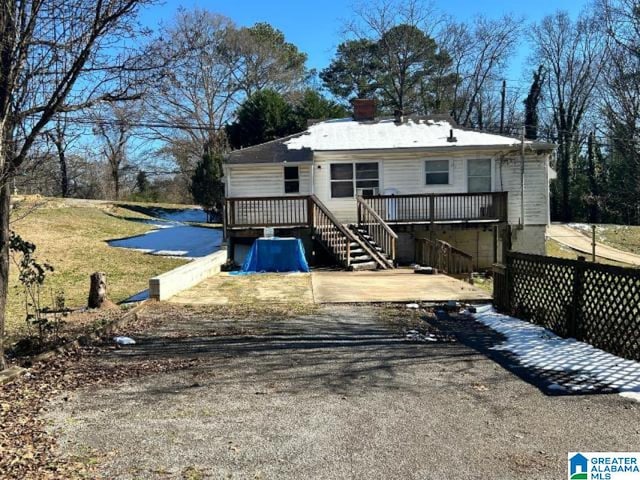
(98, 290)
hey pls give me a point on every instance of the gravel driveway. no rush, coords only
(338, 394)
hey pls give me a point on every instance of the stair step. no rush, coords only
(364, 266)
(360, 258)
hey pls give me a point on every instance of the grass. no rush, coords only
(556, 249)
(623, 237)
(291, 290)
(73, 241)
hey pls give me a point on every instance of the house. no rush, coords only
(367, 192)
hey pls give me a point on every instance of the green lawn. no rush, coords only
(73, 241)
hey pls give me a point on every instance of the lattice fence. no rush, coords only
(595, 303)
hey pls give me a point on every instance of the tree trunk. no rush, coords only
(565, 161)
(98, 290)
(5, 208)
(64, 175)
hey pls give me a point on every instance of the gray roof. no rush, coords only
(270, 152)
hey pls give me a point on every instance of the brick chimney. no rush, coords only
(364, 109)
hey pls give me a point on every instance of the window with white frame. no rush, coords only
(291, 180)
(436, 172)
(479, 175)
(350, 179)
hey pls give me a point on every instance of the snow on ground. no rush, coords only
(537, 347)
(586, 227)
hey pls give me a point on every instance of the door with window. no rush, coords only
(479, 181)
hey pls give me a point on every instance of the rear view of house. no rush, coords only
(367, 192)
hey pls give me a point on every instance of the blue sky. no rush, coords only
(315, 27)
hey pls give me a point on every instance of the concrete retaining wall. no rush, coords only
(186, 276)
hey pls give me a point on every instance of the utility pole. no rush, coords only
(522, 178)
(503, 95)
(593, 243)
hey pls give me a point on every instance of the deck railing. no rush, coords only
(267, 212)
(446, 207)
(377, 228)
(443, 256)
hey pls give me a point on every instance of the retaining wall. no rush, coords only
(186, 276)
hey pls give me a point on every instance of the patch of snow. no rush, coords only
(124, 340)
(346, 134)
(178, 241)
(537, 347)
(583, 227)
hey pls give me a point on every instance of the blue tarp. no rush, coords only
(276, 255)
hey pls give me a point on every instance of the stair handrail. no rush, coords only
(345, 235)
(388, 243)
(457, 261)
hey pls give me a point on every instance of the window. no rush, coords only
(479, 175)
(349, 178)
(437, 172)
(291, 180)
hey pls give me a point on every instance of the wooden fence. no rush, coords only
(595, 303)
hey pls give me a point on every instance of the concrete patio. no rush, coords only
(399, 285)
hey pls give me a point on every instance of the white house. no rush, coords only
(367, 185)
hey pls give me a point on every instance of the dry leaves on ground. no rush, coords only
(27, 450)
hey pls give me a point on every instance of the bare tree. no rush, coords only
(620, 105)
(480, 51)
(572, 54)
(94, 38)
(62, 135)
(114, 128)
(197, 95)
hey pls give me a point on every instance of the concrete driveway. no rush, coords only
(335, 394)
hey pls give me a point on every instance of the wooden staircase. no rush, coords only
(351, 246)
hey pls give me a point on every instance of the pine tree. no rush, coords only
(207, 187)
(531, 105)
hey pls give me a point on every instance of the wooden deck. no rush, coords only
(297, 211)
(371, 242)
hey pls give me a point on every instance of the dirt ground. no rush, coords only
(327, 392)
(226, 289)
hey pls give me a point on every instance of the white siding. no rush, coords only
(403, 171)
(536, 189)
(263, 180)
